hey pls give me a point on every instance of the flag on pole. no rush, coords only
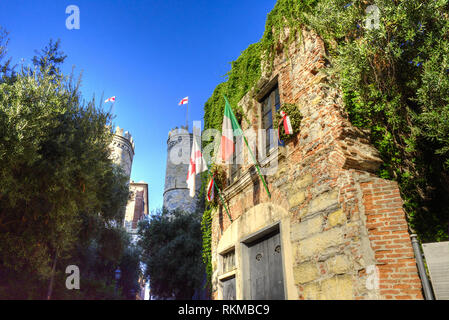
(112, 99)
(230, 129)
(197, 165)
(184, 101)
(210, 190)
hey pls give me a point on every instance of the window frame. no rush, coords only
(274, 99)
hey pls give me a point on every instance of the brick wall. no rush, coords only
(137, 205)
(138, 208)
(390, 240)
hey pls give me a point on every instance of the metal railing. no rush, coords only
(427, 288)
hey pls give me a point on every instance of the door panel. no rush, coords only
(266, 276)
(275, 268)
(229, 289)
(259, 270)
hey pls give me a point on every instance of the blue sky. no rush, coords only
(149, 54)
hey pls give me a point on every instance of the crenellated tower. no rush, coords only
(123, 150)
(176, 193)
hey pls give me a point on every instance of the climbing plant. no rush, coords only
(246, 71)
(394, 80)
(206, 229)
(206, 222)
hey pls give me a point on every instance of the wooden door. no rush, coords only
(265, 262)
(229, 289)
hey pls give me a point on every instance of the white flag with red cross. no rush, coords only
(197, 165)
(111, 99)
(184, 101)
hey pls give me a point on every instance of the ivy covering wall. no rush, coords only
(394, 80)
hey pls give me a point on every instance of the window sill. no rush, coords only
(281, 154)
(239, 184)
(228, 274)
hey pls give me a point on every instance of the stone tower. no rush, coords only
(123, 150)
(176, 193)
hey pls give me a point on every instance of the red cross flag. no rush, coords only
(197, 165)
(184, 101)
(112, 99)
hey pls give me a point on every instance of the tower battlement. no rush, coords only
(178, 136)
(178, 131)
(125, 135)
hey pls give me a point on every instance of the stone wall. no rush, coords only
(122, 150)
(347, 232)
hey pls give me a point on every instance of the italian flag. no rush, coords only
(287, 124)
(230, 129)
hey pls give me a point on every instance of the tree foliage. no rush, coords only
(50, 58)
(171, 249)
(6, 70)
(61, 196)
(395, 82)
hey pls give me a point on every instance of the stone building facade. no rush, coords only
(137, 206)
(332, 229)
(176, 193)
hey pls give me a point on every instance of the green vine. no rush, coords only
(246, 70)
(206, 222)
(206, 229)
(395, 82)
(244, 74)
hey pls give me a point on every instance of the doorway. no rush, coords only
(228, 286)
(265, 277)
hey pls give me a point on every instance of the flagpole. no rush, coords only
(219, 193)
(187, 116)
(207, 168)
(257, 167)
(221, 197)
